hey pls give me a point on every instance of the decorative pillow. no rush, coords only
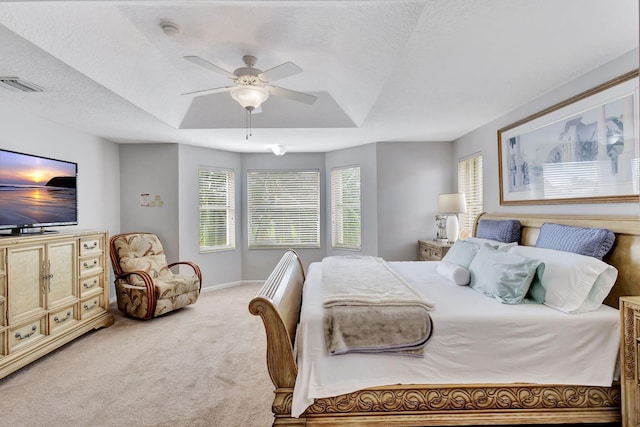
(507, 230)
(503, 276)
(461, 253)
(504, 247)
(574, 283)
(595, 242)
(457, 274)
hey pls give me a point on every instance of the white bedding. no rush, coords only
(476, 339)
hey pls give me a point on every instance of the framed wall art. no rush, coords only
(582, 150)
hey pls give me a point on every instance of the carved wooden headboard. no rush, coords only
(625, 254)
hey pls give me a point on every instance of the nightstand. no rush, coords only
(432, 250)
(630, 364)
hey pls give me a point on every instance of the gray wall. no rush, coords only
(365, 157)
(411, 175)
(485, 140)
(219, 266)
(400, 186)
(151, 169)
(98, 165)
(97, 158)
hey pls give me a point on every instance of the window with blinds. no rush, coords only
(470, 183)
(345, 208)
(283, 209)
(216, 201)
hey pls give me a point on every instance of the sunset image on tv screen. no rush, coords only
(36, 190)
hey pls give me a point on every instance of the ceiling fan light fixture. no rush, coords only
(250, 97)
(279, 150)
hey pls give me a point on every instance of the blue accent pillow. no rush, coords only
(594, 242)
(504, 276)
(506, 230)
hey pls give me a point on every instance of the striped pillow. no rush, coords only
(506, 231)
(595, 242)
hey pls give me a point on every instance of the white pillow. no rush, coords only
(456, 273)
(574, 283)
(504, 247)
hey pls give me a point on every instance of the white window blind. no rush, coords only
(345, 207)
(470, 183)
(217, 209)
(283, 209)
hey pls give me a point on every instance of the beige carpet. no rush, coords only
(200, 366)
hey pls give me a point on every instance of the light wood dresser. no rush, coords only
(630, 360)
(432, 250)
(53, 288)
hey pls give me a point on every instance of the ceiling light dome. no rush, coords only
(279, 150)
(249, 96)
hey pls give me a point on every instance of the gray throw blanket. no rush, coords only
(370, 309)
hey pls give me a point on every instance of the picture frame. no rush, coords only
(582, 150)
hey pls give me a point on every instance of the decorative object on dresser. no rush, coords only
(145, 285)
(630, 360)
(449, 206)
(432, 250)
(53, 289)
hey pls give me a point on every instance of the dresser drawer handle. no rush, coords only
(22, 337)
(90, 285)
(64, 319)
(89, 307)
(87, 266)
(93, 246)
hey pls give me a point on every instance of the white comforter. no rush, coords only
(475, 339)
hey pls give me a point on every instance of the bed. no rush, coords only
(413, 403)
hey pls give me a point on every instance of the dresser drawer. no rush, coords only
(430, 253)
(90, 285)
(63, 318)
(26, 334)
(91, 245)
(92, 306)
(429, 250)
(91, 265)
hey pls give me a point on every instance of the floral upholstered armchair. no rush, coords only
(145, 285)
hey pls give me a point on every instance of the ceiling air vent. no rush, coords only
(17, 84)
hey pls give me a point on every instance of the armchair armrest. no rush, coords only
(193, 265)
(152, 296)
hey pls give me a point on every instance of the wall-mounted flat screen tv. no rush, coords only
(36, 192)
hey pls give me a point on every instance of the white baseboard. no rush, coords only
(230, 285)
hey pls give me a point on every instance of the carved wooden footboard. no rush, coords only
(279, 301)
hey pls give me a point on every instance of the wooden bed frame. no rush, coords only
(278, 303)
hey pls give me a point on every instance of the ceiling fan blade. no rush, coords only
(209, 66)
(209, 91)
(305, 98)
(280, 72)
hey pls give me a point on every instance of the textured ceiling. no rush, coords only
(429, 70)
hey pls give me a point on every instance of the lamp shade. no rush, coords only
(451, 203)
(250, 96)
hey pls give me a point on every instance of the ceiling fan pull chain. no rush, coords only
(246, 124)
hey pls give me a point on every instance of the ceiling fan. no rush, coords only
(253, 86)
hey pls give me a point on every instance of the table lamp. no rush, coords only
(449, 206)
